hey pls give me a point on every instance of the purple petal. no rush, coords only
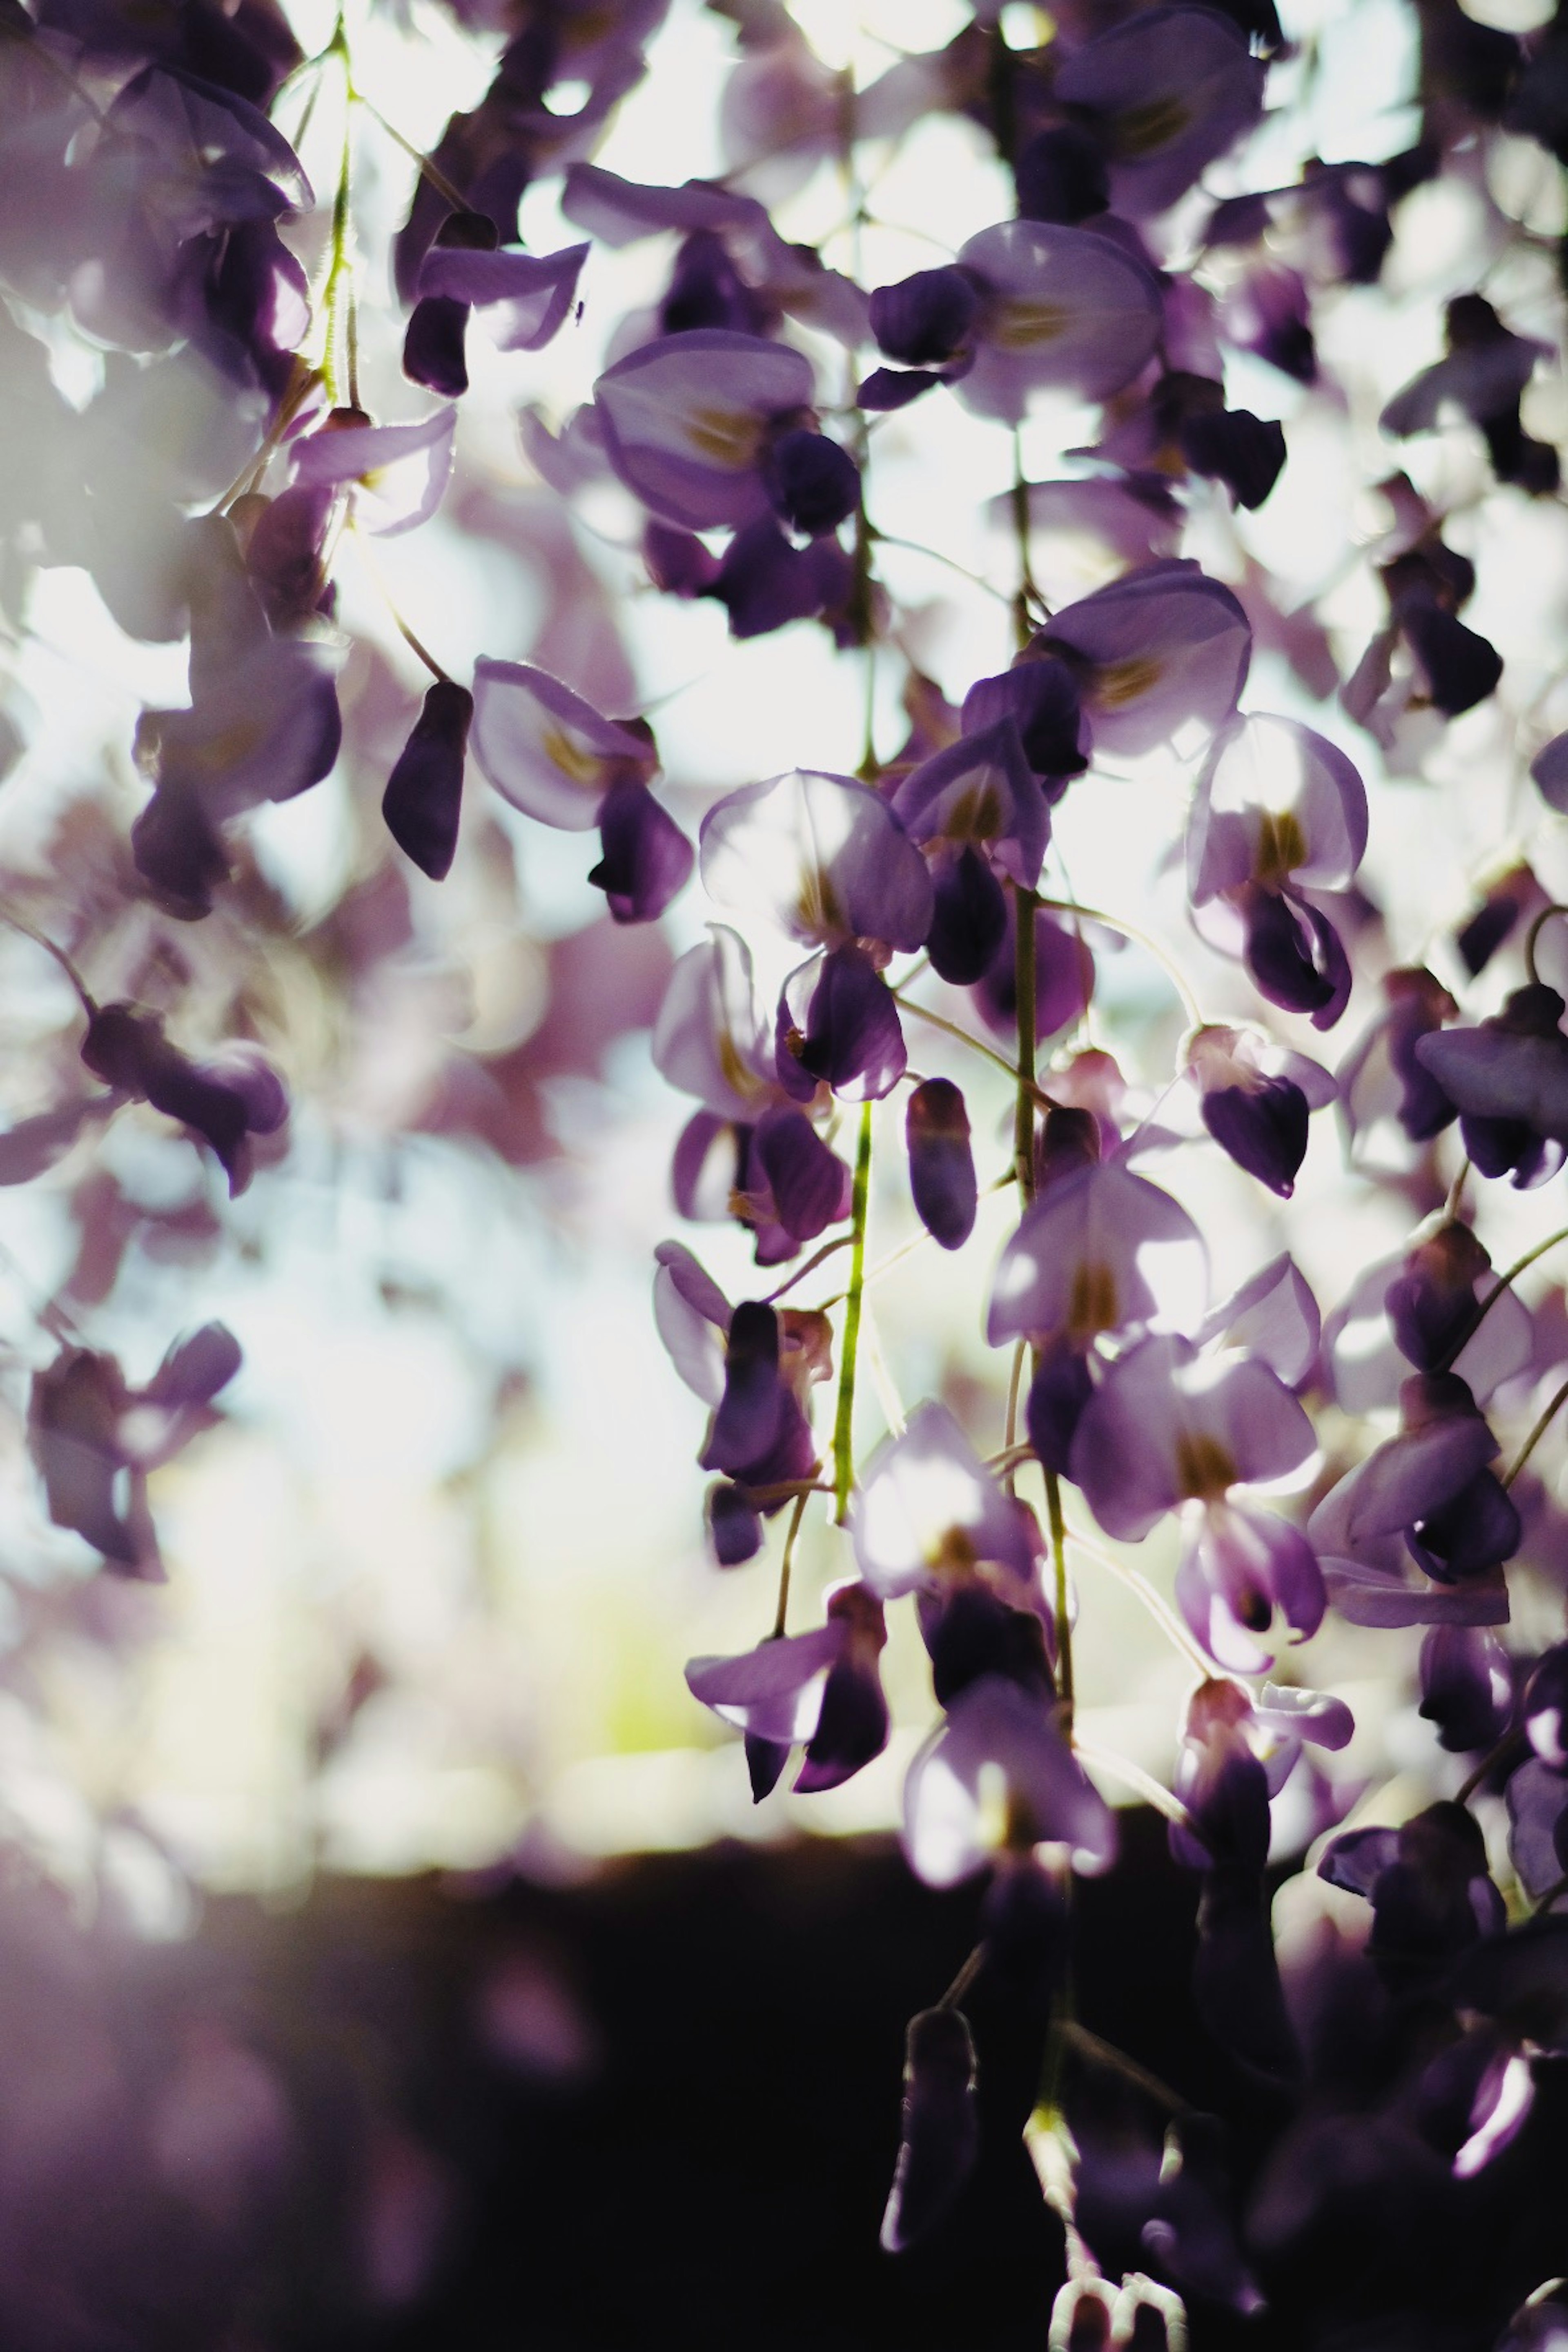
(1549, 770)
(195, 1368)
(980, 791)
(767, 1691)
(927, 1506)
(823, 858)
(692, 1315)
(1100, 1250)
(548, 751)
(942, 1162)
(1275, 1317)
(1275, 801)
(1168, 94)
(1064, 309)
(809, 1183)
(995, 1722)
(686, 419)
(939, 2137)
(647, 859)
(424, 792)
(838, 1022)
(398, 471)
(521, 299)
(1163, 646)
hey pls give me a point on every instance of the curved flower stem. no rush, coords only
(1506, 1745)
(1456, 1193)
(935, 555)
(1064, 1619)
(1105, 2053)
(1027, 597)
(1151, 946)
(1559, 1397)
(1159, 1608)
(844, 1418)
(427, 169)
(340, 270)
(965, 1979)
(941, 1020)
(792, 1531)
(1534, 933)
(843, 1241)
(1504, 1282)
(414, 644)
(1012, 1453)
(40, 940)
(1134, 1776)
(1025, 903)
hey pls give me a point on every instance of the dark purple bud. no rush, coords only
(970, 1634)
(1062, 176)
(971, 917)
(1418, 1006)
(646, 858)
(73, 1420)
(678, 562)
(432, 345)
(734, 1530)
(765, 1761)
(1235, 1976)
(1263, 1126)
(941, 1164)
(195, 1368)
(813, 483)
(283, 552)
(941, 2135)
(1545, 1708)
(1466, 1689)
(811, 1186)
(1461, 667)
(1067, 1140)
(852, 1033)
(706, 289)
(926, 319)
(1478, 1529)
(853, 1725)
(1233, 446)
(1294, 954)
(1040, 695)
(888, 388)
(1064, 978)
(1223, 1784)
(1432, 1304)
(746, 1420)
(425, 791)
(1428, 1886)
(1058, 1393)
(763, 581)
(179, 853)
(127, 1048)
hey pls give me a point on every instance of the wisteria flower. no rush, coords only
(1164, 96)
(688, 422)
(996, 1726)
(397, 473)
(1160, 647)
(1099, 1251)
(928, 1509)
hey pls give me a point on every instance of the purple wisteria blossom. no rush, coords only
(1162, 646)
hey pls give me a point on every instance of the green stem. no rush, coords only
(1025, 903)
(1559, 1397)
(843, 1419)
(1027, 595)
(1064, 1625)
(941, 1020)
(782, 1611)
(1504, 1282)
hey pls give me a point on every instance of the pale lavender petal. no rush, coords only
(1316, 1715)
(926, 1507)
(1366, 1368)
(1274, 1316)
(1065, 309)
(1160, 647)
(996, 1722)
(546, 750)
(710, 1039)
(1168, 93)
(769, 1691)
(1549, 770)
(618, 212)
(692, 1315)
(397, 472)
(686, 418)
(1274, 802)
(980, 790)
(1367, 1594)
(1100, 1250)
(821, 857)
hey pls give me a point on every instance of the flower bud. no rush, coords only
(425, 791)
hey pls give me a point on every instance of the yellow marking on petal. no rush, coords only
(1118, 683)
(952, 1555)
(1019, 326)
(1093, 1306)
(816, 907)
(1145, 130)
(976, 814)
(1203, 1467)
(730, 436)
(1281, 847)
(577, 765)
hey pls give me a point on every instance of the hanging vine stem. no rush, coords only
(792, 1531)
(1504, 1282)
(844, 1418)
(1153, 1602)
(339, 271)
(1533, 934)
(1150, 945)
(1559, 1397)
(414, 644)
(941, 1020)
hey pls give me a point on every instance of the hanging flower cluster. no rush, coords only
(898, 1004)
